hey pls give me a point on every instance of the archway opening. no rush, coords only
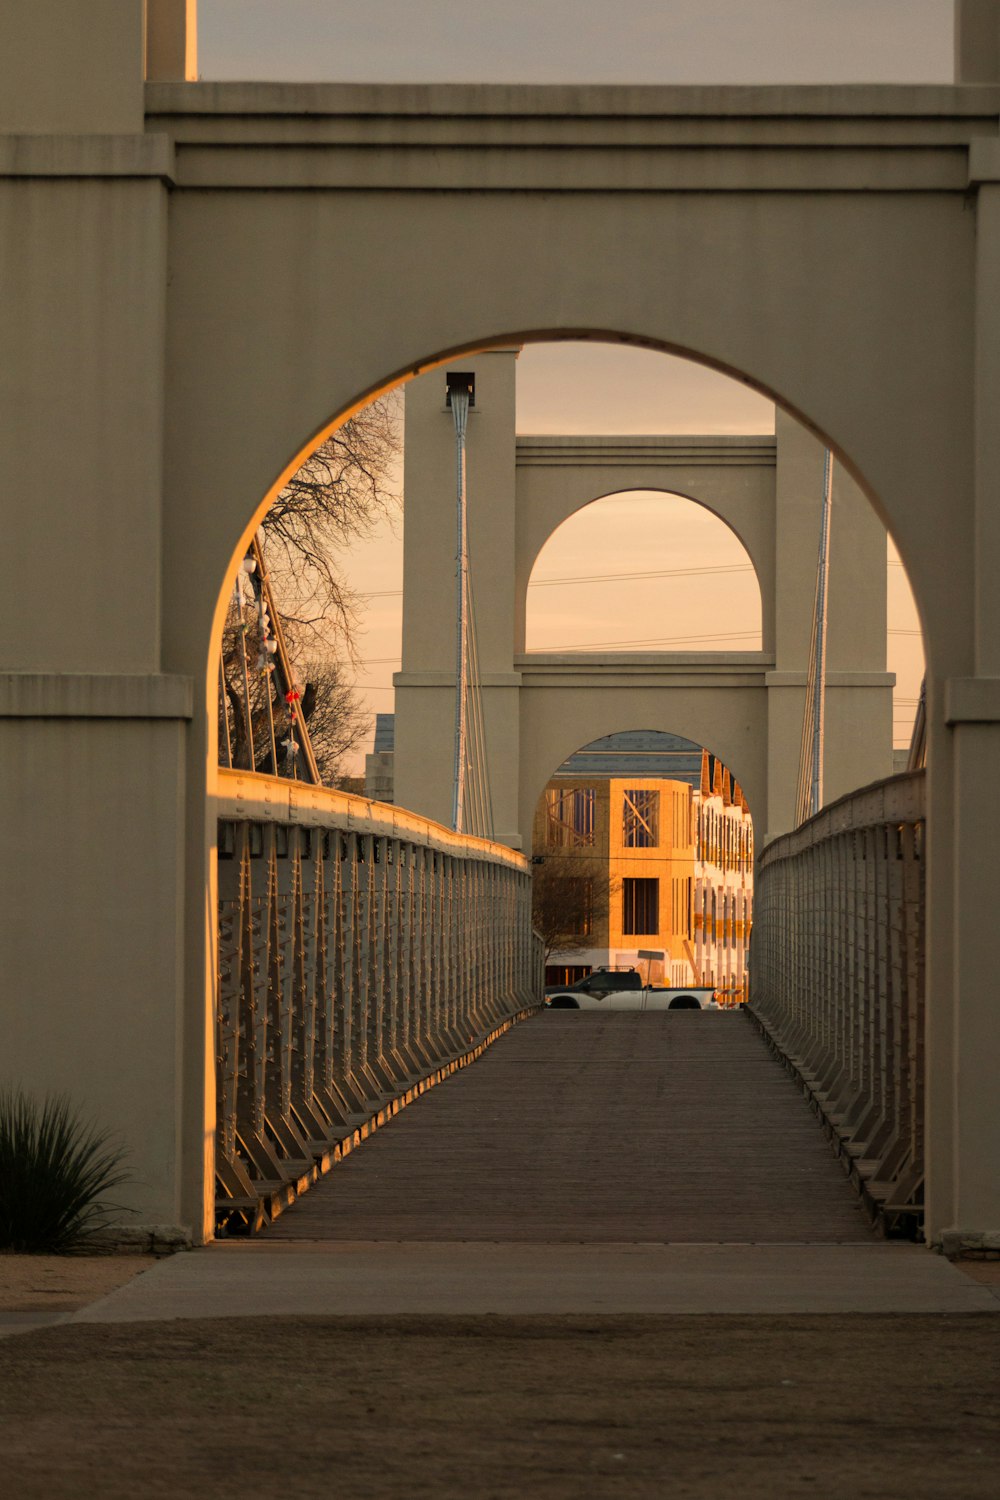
(643, 571)
(681, 900)
(583, 599)
(642, 863)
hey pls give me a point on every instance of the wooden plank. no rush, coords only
(654, 1126)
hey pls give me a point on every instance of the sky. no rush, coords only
(581, 388)
(577, 41)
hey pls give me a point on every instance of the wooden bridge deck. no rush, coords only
(671, 1127)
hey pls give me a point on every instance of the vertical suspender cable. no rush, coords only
(460, 413)
(224, 704)
(809, 796)
(247, 704)
(917, 754)
(477, 822)
(487, 826)
(819, 687)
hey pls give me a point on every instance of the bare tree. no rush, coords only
(569, 899)
(337, 724)
(257, 709)
(338, 496)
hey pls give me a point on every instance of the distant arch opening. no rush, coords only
(642, 857)
(640, 571)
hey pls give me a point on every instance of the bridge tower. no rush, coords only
(747, 707)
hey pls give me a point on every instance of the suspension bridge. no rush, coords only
(244, 974)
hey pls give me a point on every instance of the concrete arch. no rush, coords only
(517, 490)
(209, 276)
(607, 714)
(701, 710)
(761, 559)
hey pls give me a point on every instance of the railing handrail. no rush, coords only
(251, 796)
(896, 799)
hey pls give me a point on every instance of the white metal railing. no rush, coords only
(837, 981)
(363, 953)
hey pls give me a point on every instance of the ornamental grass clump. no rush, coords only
(54, 1172)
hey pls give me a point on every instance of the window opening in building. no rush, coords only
(640, 907)
(641, 819)
(569, 817)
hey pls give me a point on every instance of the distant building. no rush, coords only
(379, 783)
(672, 860)
(723, 903)
(632, 840)
(637, 752)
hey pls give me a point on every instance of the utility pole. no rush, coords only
(461, 394)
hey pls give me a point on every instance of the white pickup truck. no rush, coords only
(623, 989)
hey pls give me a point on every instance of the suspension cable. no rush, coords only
(460, 413)
(487, 826)
(809, 797)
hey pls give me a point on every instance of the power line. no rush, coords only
(607, 577)
(726, 635)
(575, 578)
(542, 583)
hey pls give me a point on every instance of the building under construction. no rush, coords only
(647, 872)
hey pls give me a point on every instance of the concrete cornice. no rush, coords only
(833, 679)
(757, 450)
(984, 160)
(972, 700)
(87, 695)
(743, 669)
(495, 138)
(720, 101)
(91, 156)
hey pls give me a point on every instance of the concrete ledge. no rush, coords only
(962, 1244)
(669, 452)
(87, 156)
(86, 695)
(972, 700)
(834, 679)
(143, 1239)
(984, 161)
(721, 101)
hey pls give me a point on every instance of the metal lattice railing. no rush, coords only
(364, 953)
(837, 982)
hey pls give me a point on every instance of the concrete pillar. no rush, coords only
(171, 40)
(963, 1039)
(71, 66)
(425, 688)
(92, 731)
(977, 41)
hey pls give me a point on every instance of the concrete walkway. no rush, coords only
(361, 1280)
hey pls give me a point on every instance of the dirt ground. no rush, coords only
(62, 1283)
(833, 1408)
